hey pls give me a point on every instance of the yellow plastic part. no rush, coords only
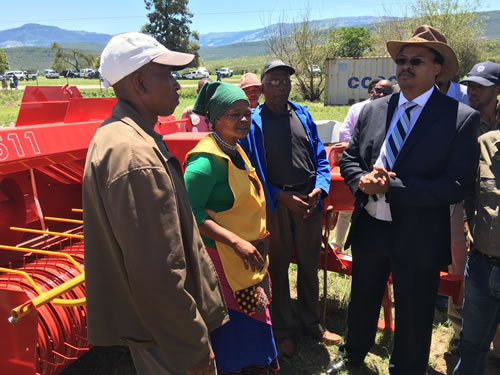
(63, 220)
(45, 297)
(45, 252)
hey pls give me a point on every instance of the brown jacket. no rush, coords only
(486, 223)
(149, 279)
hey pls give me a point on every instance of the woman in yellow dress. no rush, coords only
(229, 206)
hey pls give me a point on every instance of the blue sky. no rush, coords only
(116, 16)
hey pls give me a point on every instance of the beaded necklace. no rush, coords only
(226, 147)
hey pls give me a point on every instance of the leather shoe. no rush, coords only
(340, 363)
(336, 366)
(285, 347)
(330, 338)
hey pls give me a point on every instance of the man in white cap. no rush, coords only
(412, 154)
(149, 280)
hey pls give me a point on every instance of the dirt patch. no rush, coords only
(440, 358)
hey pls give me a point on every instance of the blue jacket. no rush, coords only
(253, 145)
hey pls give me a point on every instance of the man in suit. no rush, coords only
(412, 154)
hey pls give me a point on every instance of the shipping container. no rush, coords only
(347, 79)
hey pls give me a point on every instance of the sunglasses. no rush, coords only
(278, 82)
(380, 90)
(415, 61)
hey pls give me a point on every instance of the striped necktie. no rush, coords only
(397, 137)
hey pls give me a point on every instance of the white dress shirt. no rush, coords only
(347, 127)
(380, 209)
(458, 92)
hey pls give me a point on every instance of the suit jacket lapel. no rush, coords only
(429, 115)
(386, 111)
(393, 102)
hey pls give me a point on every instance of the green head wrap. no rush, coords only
(215, 98)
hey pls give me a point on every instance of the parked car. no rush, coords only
(176, 75)
(84, 73)
(204, 70)
(31, 75)
(50, 73)
(19, 74)
(70, 73)
(196, 74)
(314, 69)
(226, 72)
(94, 74)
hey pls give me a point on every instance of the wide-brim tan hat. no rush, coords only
(430, 37)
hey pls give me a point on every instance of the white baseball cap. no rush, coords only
(125, 53)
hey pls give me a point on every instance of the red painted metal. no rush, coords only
(60, 331)
(18, 342)
(46, 148)
(339, 197)
(169, 125)
(45, 104)
(179, 144)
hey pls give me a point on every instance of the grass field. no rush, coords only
(10, 101)
(61, 81)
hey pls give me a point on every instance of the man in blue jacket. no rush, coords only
(284, 147)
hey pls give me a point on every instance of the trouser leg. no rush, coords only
(481, 314)
(415, 293)
(370, 271)
(307, 245)
(457, 266)
(496, 343)
(341, 229)
(281, 243)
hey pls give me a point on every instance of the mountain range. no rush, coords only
(35, 35)
(221, 39)
(27, 47)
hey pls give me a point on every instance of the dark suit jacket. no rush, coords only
(434, 169)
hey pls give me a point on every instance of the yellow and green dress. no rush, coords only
(234, 198)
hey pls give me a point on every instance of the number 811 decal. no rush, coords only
(11, 141)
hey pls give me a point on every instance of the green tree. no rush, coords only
(301, 45)
(74, 58)
(456, 19)
(349, 41)
(4, 65)
(169, 22)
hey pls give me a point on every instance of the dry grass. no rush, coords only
(314, 357)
